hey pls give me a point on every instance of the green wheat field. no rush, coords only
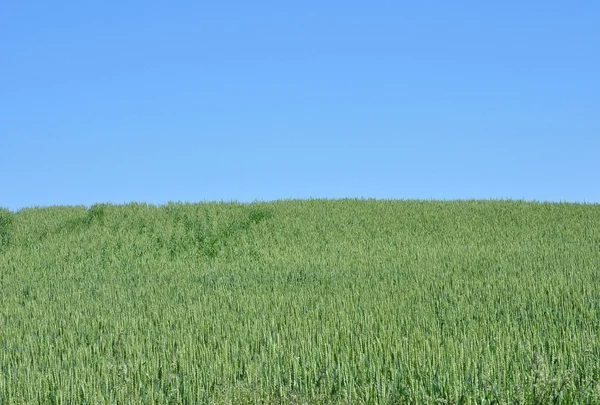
(301, 302)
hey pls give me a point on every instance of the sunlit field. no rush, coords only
(301, 302)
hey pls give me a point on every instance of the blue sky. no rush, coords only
(121, 101)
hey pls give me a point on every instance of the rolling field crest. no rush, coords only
(301, 301)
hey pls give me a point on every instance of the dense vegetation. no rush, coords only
(310, 301)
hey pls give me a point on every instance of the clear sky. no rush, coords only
(156, 101)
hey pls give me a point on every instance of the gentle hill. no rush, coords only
(301, 301)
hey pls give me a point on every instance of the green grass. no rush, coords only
(307, 302)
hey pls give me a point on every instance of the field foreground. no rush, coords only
(305, 301)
